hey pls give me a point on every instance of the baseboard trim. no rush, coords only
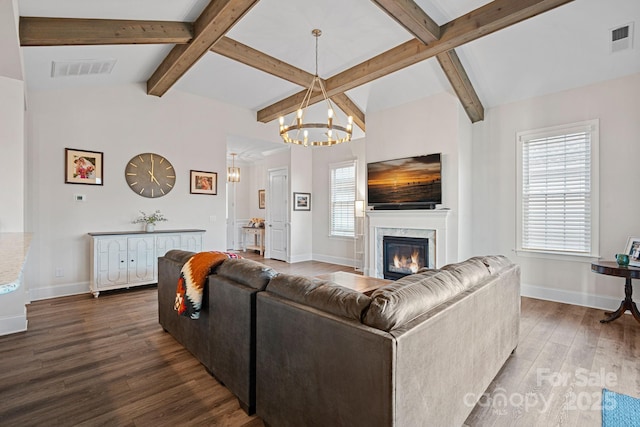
(334, 260)
(13, 324)
(300, 258)
(570, 297)
(63, 290)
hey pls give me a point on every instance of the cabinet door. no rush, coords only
(112, 261)
(141, 259)
(167, 242)
(192, 242)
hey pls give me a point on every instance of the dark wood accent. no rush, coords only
(106, 361)
(35, 31)
(212, 24)
(364, 284)
(628, 272)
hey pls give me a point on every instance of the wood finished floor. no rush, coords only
(107, 361)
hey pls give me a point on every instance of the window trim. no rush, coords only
(332, 167)
(592, 126)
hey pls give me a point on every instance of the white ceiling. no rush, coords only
(565, 48)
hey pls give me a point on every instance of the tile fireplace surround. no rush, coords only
(430, 224)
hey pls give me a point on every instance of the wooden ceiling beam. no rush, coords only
(35, 31)
(411, 16)
(214, 22)
(408, 14)
(485, 20)
(461, 84)
(244, 54)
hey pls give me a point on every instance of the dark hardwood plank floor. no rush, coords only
(107, 361)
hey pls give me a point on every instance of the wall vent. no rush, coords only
(622, 38)
(83, 67)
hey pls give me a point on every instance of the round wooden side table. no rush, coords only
(611, 268)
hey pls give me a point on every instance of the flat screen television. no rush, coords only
(408, 183)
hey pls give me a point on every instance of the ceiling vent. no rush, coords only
(622, 38)
(84, 67)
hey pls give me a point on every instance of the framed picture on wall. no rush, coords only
(82, 167)
(301, 201)
(204, 183)
(261, 199)
(633, 250)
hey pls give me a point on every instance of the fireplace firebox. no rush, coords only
(404, 255)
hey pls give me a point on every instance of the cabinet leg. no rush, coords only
(95, 294)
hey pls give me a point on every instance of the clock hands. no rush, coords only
(153, 178)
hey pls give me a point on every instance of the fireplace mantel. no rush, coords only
(422, 221)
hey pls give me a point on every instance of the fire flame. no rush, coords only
(406, 263)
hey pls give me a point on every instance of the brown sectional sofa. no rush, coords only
(306, 352)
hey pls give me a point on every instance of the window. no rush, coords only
(343, 196)
(558, 190)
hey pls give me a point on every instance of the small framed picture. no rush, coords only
(82, 167)
(261, 199)
(633, 250)
(204, 183)
(301, 201)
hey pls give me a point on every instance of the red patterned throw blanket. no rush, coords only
(193, 276)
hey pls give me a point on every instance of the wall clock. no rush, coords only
(150, 175)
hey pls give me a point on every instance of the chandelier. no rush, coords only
(233, 173)
(323, 134)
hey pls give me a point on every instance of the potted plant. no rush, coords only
(150, 220)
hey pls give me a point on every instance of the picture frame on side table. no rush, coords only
(301, 201)
(633, 250)
(261, 199)
(202, 182)
(83, 167)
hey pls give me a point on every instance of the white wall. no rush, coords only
(427, 126)
(336, 250)
(302, 222)
(12, 155)
(617, 104)
(190, 131)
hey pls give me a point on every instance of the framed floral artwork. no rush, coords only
(83, 167)
(204, 182)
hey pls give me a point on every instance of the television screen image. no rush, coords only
(412, 182)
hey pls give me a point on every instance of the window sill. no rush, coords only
(558, 256)
(346, 238)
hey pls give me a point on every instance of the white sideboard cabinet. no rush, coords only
(125, 259)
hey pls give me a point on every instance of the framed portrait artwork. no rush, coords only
(633, 250)
(261, 199)
(301, 201)
(204, 182)
(83, 167)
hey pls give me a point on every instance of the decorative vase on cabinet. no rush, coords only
(150, 228)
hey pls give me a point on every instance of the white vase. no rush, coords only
(150, 228)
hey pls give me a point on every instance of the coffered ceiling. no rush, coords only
(373, 54)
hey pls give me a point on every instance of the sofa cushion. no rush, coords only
(395, 304)
(247, 272)
(495, 263)
(321, 294)
(179, 256)
(469, 272)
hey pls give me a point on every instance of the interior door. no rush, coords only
(278, 214)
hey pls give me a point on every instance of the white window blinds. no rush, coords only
(556, 191)
(343, 196)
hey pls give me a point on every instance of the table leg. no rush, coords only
(626, 304)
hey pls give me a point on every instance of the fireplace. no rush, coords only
(404, 255)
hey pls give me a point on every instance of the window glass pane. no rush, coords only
(343, 195)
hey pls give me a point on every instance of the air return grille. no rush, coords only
(84, 67)
(622, 38)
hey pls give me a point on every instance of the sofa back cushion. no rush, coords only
(395, 304)
(179, 256)
(469, 272)
(495, 263)
(320, 294)
(246, 272)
